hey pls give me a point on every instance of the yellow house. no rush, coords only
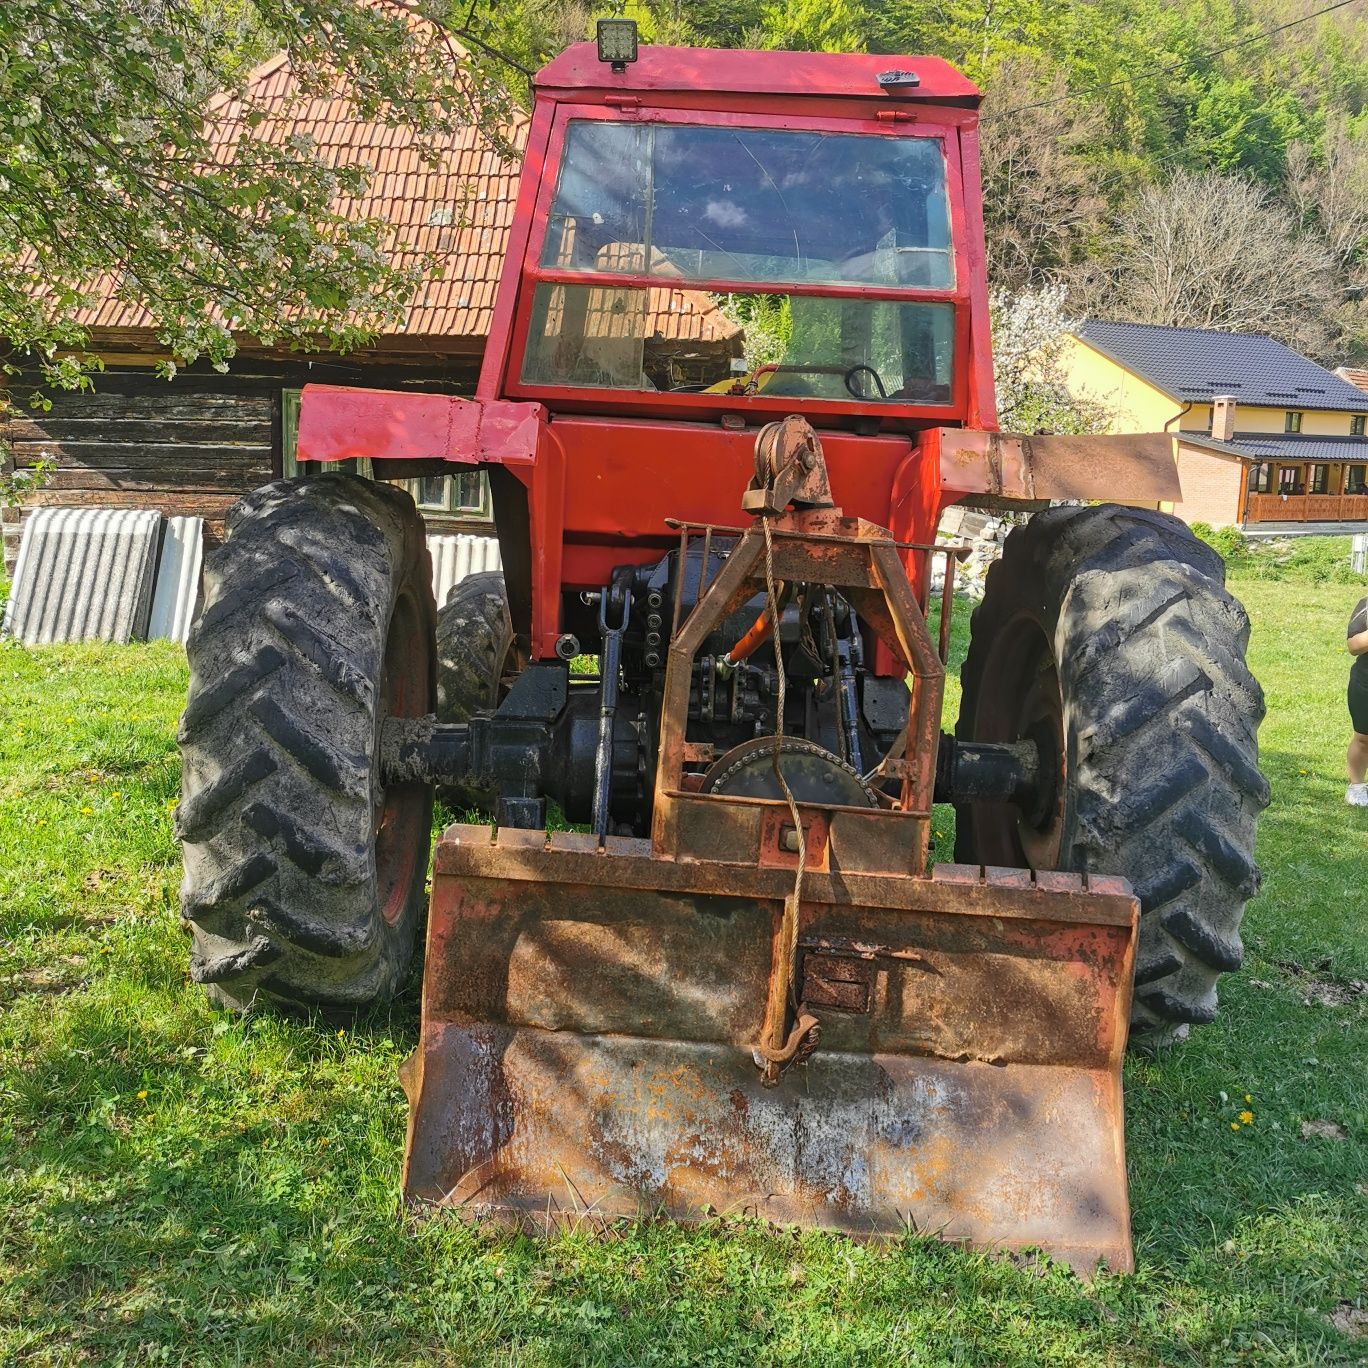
(1264, 435)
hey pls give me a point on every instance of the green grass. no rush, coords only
(180, 1186)
(1319, 560)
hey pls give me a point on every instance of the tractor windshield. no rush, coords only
(705, 246)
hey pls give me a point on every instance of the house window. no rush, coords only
(465, 494)
(290, 464)
(1356, 425)
(1354, 479)
(1290, 480)
(1259, 478)
(1292, 421)
(1320, 479)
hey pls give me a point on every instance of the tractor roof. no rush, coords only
(735, 71)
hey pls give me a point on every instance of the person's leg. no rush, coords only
(1356, 757)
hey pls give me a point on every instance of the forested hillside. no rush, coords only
(1192, 162)
(1197, 162)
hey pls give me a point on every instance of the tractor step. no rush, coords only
(591, 1011)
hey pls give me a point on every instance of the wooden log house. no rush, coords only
(196, 443)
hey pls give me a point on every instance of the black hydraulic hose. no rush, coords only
(610, 668)
(845, 683)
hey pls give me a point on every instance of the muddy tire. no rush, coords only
(474, 637)
(304, 875)
(1107, 635)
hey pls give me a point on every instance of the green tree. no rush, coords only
(108, 171)
(816, 25)
(1237, 126)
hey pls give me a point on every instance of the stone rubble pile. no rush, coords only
(985, 534)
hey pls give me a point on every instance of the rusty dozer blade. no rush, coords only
(600, 1017)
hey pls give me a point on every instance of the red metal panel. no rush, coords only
(713, 71)
(337, 423)
(342, 424)
(505, 302)
(982, 411)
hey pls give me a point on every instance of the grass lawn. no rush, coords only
(181, 1186)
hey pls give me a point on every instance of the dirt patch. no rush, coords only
(1329, 993)
(1350, 1320)
(1321, 987)
(1323, 1130)
(37, 981)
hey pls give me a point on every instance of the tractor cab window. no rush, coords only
(759, 205)
(712, 224)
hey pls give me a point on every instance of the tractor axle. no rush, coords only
(522, 757)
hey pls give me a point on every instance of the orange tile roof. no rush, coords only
(1355, 375)
(459, 208)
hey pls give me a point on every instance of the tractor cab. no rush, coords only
(744, 234)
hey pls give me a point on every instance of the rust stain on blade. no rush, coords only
(1060, 465)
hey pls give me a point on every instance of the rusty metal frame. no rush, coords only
(820, 546)
(1014, 465)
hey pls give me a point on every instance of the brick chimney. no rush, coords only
(1223, 417)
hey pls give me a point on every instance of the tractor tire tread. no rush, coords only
(474, 638)
(1151, 654)
(278, 742)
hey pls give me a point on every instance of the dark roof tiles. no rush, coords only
(1197, 363)
(1302, 448)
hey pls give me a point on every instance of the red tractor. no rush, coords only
(730, 978)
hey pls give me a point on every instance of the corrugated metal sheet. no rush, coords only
(84, 573)
(178, 579)
(455, 557)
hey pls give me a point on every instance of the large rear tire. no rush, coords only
(304, 874)
(474, 638)
(1106, 634)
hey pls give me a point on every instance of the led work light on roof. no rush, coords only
(617, 42)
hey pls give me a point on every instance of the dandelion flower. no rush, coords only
(1247, 1117)
(1248, 1098)
(142, 1095)
(1234, 1125)
(86, 811)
